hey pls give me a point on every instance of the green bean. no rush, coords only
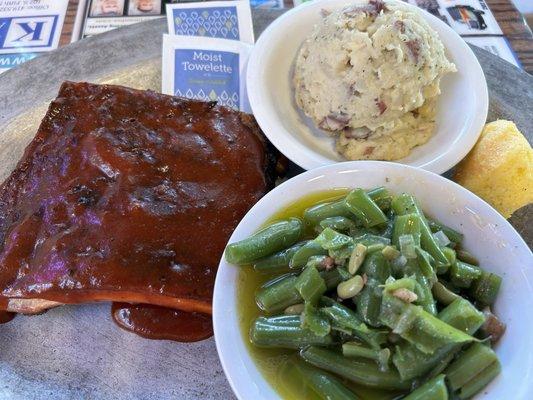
(277, 294)
(334, 277)
(425, 265)
(412, 363)
(469, 364)
(280, 293)
(332, 240)
(482, 379)
(267, 241)
(375, 338)
(462, 315)
(443, 295)
(391, 285)
(324, 385)
(434, 389)
(342, 254)
(450, 255)
(368, 302)
(418, 327)
(381, 196)
(462, 274)
(345, 319)
(341, 224)
(441, 365)
(452, 258)
(284, 332)
(364, 208)
(341, 316)
(452, 234)
(425, 296)
(301, 256)
(313, 320)
(356, 350)
(424, 276)
(313, 215)
(407, 224)
(278, 262)
(466, 257)
(375, 247)
(407, 204)
(485, 289)
(369, 239)
(360, 371)
(318, 262)
(310, 285)
(376, 267)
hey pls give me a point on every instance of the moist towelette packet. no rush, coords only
(230, 20)
(208, 69)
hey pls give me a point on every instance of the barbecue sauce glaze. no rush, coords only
(128, 196)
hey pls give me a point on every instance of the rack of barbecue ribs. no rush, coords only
(129, 196)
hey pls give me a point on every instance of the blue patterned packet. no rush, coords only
(231, 20)
(207, 69)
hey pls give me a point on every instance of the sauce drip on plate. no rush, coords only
(6, 317)
(154, 322)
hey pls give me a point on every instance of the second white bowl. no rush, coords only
(462, 106)
(488, 236)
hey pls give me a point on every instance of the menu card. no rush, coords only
(27, 28)
(97, 16)
(473, 20)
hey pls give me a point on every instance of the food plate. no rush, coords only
(487, 235)
(76, 351)
(461, 108)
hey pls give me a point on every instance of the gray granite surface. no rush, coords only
(76, 352)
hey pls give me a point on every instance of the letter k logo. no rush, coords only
(35, 32)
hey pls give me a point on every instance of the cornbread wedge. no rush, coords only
(499, 168)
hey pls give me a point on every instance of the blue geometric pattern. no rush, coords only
(223, 99)
(217, 22)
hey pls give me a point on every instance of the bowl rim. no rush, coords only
(309, 159)
(226, 350)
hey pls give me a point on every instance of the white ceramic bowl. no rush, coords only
(462, 106)
(487, 235)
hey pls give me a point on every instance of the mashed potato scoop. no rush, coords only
(369, 74)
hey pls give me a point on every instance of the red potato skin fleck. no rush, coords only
(414, 49)
(368, 151)
(382, 107)
(373, 8)
(400, 26)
